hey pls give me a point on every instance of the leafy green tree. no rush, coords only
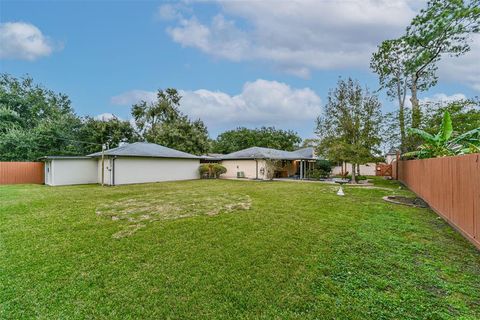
(309, 142)
(8, 119)
(444, 27)
(409, 63)
(162, 122)
(35, 121)
(349, 128)
(267, 137)
(109, 132)
(184, 135)
(465, 114)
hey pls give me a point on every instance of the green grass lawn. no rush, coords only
(222, 249)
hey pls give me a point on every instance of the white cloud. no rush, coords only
(464, 69)
(221, 38)
(168, 12)
(106, 116)
(260, 102)
(437, 98)
(442, 97)
(296, 36)
(133, 96)
(20, 40)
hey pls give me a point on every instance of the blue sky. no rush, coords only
(236, 63)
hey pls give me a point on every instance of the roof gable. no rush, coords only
(308, 152)
(268, 153)
(145, 149)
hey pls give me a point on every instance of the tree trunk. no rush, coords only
(401, 93)
(416, 114)
(401, 120)
(354, 180)
(358, 169)
(412, 142)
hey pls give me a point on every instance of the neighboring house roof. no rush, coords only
(308, 152)
(268, 153)
(144, 149)
(211, 156)
(215, 155)
(63, 157)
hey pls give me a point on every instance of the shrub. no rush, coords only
(317, 174)
(324, 165)
(204, 170)
(211, 170)
(323, 168)
(218, 170)
(270, 167)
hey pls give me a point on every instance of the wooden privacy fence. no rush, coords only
(451, 186)
(21, 172)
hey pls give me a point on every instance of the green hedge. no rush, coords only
(211, 170)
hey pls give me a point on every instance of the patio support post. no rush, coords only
(301, 169)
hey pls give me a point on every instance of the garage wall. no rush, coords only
(141, 170)
(247, 166)
(72, 171)
(107, 168)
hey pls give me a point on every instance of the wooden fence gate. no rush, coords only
(21, 172)
(384, 170)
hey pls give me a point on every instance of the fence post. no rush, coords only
(397, 159)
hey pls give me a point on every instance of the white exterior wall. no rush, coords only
(71, 171)
(129, 170)
(368, 169)
(48, 172)
(247, 166)
(107, 169)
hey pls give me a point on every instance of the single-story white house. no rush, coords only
(138, 162)
(251, 163)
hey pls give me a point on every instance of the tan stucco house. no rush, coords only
(251, 163)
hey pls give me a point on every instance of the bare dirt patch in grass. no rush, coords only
(407, 201)
(136, 212)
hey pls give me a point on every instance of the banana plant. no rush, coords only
(469, 142)
(442, 144)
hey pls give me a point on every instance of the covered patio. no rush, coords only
(257, 162)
